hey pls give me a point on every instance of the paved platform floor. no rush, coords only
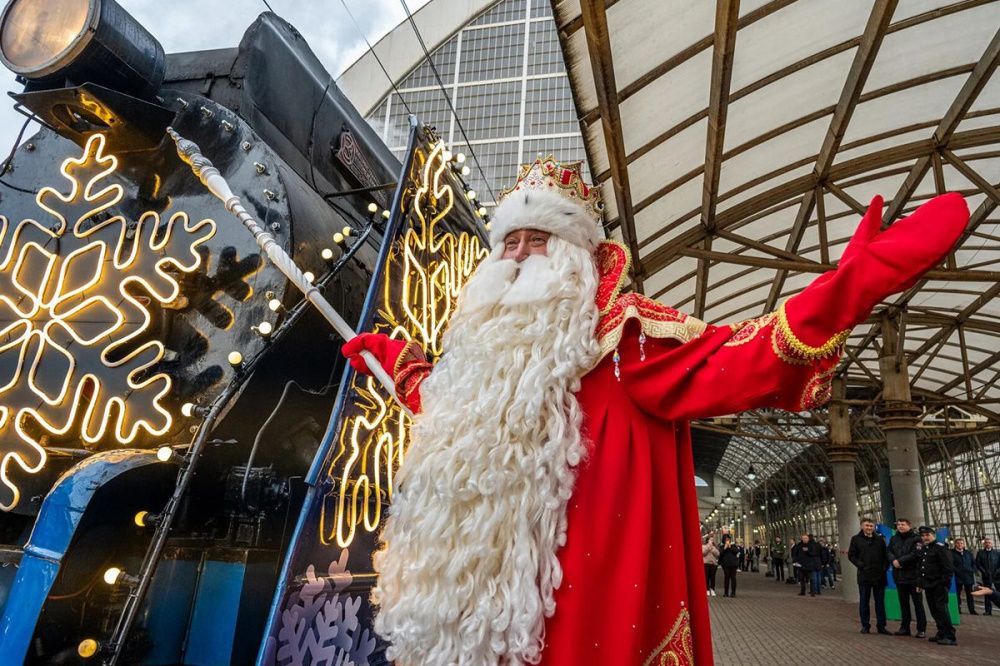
(768, 623)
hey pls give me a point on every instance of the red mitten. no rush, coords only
(875, 265)
(381, 346)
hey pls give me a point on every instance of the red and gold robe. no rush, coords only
(633, 589)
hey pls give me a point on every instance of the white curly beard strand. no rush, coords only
(468, 564)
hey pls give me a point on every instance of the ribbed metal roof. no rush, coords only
(738, 143)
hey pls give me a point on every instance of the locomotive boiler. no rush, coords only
(189, 473)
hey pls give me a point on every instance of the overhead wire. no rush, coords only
(447, 97)
(377, 59)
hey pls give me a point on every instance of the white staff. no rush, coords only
(202, 167)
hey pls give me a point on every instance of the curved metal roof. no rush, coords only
(737, 144)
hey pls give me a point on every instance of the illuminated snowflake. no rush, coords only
(76, 358)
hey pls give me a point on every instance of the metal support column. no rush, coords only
(843, 456)
(899, 423)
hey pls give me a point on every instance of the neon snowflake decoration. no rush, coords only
(77, 362)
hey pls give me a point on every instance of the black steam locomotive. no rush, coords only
(189, 474)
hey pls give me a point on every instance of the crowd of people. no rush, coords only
(812, 562)
(922, 569)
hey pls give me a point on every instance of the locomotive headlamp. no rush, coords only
(39, 36)
(83, 41)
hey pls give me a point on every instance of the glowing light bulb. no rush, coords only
(346, 231)
(482, 211)
(309, 276)
(164, 453)
(187, 409)
(470, 195)
(447, 155)
(140, 518)
(87, 648)
(373, 207)
(460, 158)
(111, 575)
(236, 358)
(265, 329)
(327, 253)
(274, 304)
(338, 238)
(385, 214)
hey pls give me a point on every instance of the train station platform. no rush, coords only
(768, 623)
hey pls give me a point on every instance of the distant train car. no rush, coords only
(188, 472)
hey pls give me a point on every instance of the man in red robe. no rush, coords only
(546, 510)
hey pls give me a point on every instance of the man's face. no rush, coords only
(988, 544)
(868, 528)
(902, 526)
(927, 537)
(805, 538)
(522, 243)
(959, 545)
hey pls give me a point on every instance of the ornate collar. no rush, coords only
(616, 309)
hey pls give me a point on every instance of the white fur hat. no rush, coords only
(551, 197)
(547, 211)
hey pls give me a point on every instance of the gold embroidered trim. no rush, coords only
(657, 321)
(412, 351)
(677, 655)
(745, 331)
(802, 350)
(818, 389)
(612, 276)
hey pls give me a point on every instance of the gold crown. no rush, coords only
(565, 179)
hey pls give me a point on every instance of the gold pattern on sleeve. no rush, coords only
(790, 348)
(745, 331)
(818, 389)
(411, 352)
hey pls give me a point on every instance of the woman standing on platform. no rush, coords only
(710, 556)
(730, 562)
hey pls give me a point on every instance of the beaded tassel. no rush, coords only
(642, 346)
(618, 371)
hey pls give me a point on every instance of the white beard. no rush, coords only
(468, 565)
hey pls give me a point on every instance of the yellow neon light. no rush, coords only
(426, 271)
(81, 316)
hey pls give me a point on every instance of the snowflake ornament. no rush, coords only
(77, 353)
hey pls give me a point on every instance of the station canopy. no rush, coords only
(738, 144)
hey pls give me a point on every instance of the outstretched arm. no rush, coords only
(785, 359)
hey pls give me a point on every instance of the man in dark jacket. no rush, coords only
(778, 550)
(965, 574)
(905, 562)
(867, 552)
(806, 558)
(988, 566)
(935, 577)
